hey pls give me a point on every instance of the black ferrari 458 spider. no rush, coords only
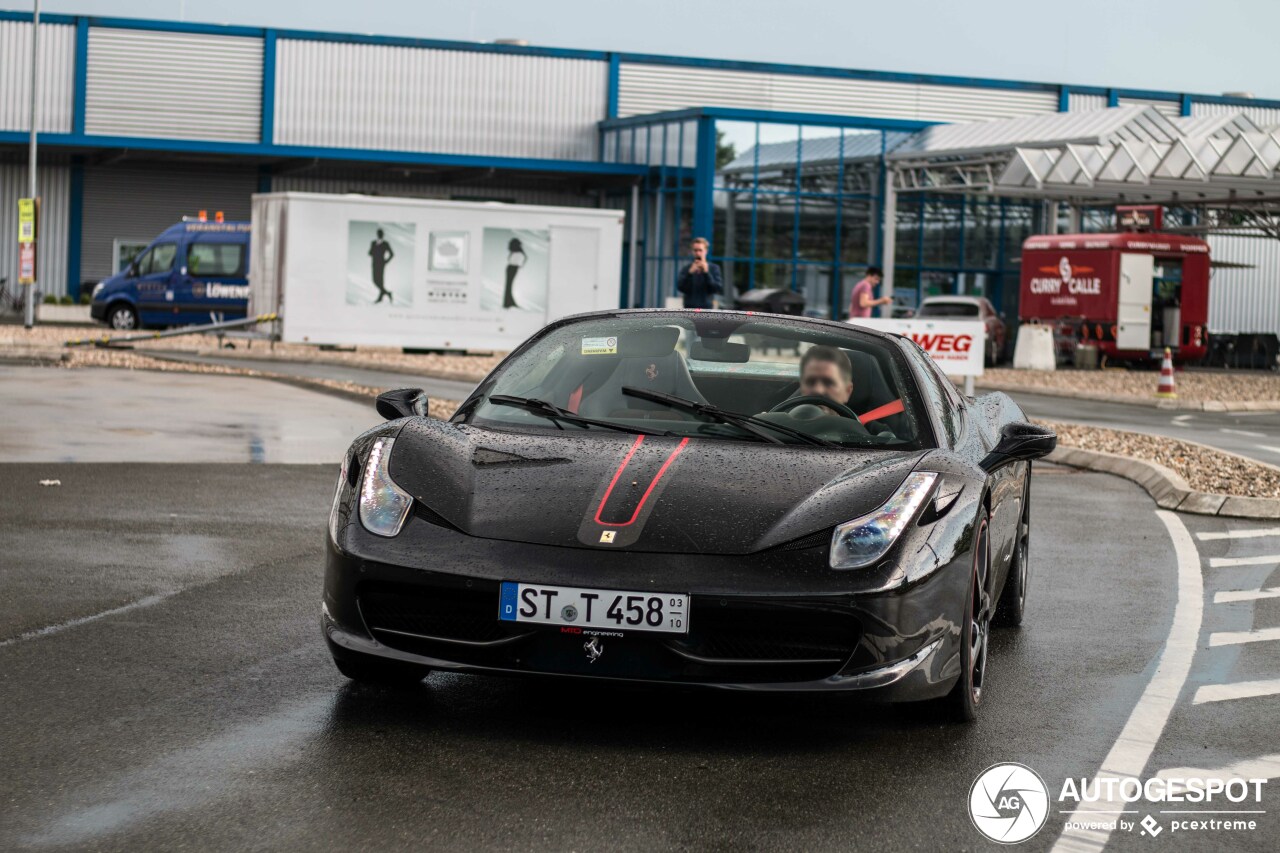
(715, 498)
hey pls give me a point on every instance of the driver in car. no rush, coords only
(827, 372)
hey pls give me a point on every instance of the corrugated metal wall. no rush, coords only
(353, 182)
(137, 202)
(447, 101)
(1169, 108)
(655, 88)
(1084, 103)
(54, 186)
(1245, 300)
(1263, 116)
(174, 85)
(57, 76)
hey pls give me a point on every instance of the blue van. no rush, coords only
(195, 272)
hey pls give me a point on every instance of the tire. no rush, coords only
(123, 317)
(383, 673)
(1013, 599)
(963, 702)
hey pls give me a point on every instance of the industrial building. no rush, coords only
(800, 176)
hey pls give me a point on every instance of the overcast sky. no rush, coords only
(1200, 46)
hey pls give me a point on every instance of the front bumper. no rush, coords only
(778, 620)
(98, 311)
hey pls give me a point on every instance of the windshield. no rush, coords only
(948, 309)
(716, 376)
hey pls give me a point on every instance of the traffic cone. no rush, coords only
(1165, 388)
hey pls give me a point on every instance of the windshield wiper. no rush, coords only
(555, 413)
(749, 423)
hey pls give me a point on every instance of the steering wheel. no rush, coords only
(816, 400)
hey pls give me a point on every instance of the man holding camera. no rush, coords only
(700, 280)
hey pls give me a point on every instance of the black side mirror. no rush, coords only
(1020, 442)
(133, 271)
(402, 403)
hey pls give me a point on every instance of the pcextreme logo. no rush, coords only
(1008, 803)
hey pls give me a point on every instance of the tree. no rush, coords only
(726, 153)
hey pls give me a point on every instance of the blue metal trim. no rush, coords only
(1064, 99)
(836, 296)
(81, 85)
(254, 149)
(828, 71)
(45, 17)
(153, 25)
(268, 88)
(704, 179)
(1235, 102)
(1147, 93)
(1184, 107)
(607, 56)
(880, 217)
(75, 227)
(768, 116)
(442, 44)
(611, 95)
(1113, 97)
(795, 210)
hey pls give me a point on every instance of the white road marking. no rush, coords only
(1269, 448)
(1235, 638)
(1230, 595)
(74, 623)
(1236, 690)
(1243, 533)
(1260, 560)
(1243, 432)
(1181, 420)
(1262, 767)
(1132, 750)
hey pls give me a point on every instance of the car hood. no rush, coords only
(646, 493)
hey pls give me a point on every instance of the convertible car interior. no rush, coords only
(747, 374)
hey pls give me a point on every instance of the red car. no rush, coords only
(968, 307)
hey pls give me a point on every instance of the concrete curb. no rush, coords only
(1173, 405)
(1166, 488)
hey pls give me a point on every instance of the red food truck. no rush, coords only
(1131, 294)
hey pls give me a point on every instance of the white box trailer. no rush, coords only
(422, 273)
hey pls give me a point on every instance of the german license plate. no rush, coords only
(666, 612)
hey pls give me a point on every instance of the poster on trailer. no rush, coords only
(429, 274)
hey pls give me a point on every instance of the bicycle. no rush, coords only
(13, 301)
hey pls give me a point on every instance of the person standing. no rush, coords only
(864, 294)
(700, 280)
(380, 255)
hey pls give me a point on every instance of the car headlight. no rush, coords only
(864, 540)
(383, 505)
(97, 288)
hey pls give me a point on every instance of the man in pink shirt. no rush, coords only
(864, 295)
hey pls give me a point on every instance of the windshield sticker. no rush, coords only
(599, 346)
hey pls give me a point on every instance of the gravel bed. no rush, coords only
(1204, 469)
(1192, 386)
(454, 366)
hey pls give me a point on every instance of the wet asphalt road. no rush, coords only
(163, 685)
(1252, 434)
